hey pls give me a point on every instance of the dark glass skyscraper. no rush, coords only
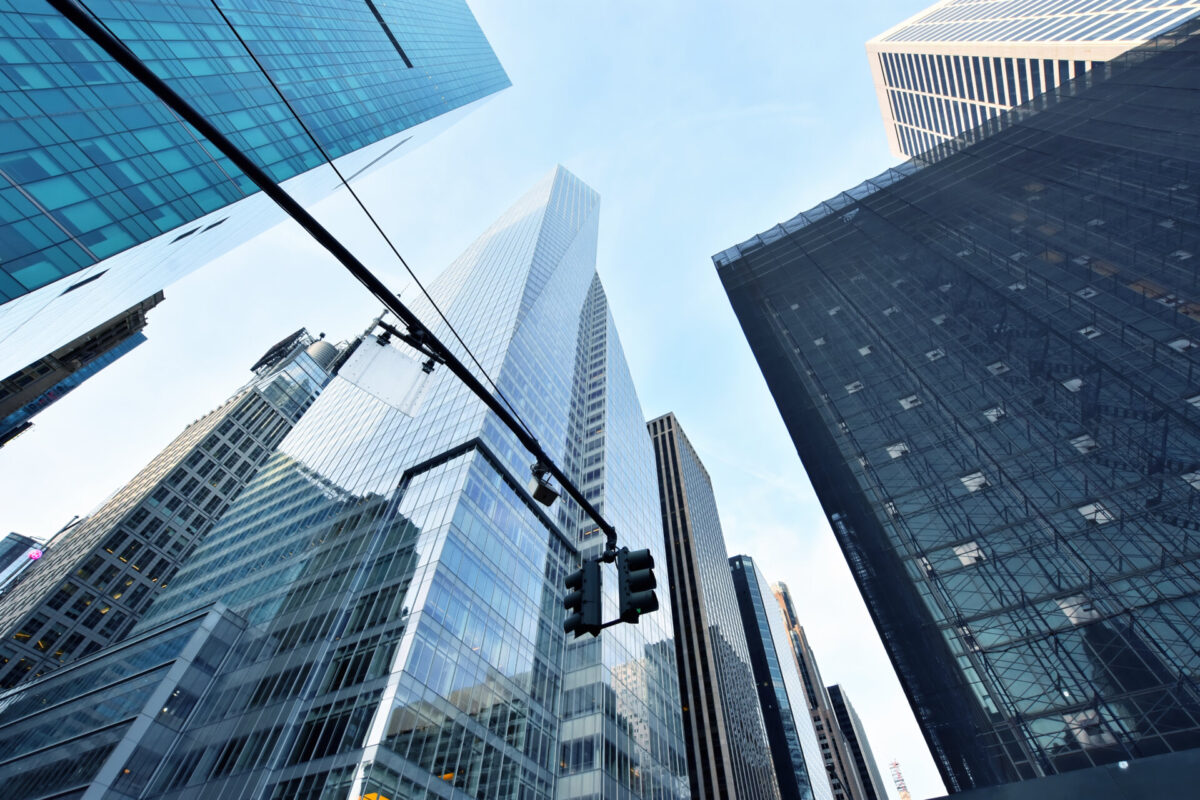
(106, 196)
(988, 363)
(799, 765)
(728, 755)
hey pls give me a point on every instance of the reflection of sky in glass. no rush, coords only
(401, 556)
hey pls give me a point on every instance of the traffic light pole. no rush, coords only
(419, 336)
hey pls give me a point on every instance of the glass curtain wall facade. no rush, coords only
(96, 579)
(946, 70)
(403, 592)
(988, 364)
(799, 765)
(856, 739)
(728, 755)
(843, 779)
(107, 195)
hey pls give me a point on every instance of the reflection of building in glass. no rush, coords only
(799, 764)
(859, 747)
(108, 196)
(988, 364)
(28, 391)
(403, 592)
(843, 778)
(728, 756)
(97, 578)
(961, 62)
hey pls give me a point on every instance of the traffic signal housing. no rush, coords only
(635, 573)
(583, 600)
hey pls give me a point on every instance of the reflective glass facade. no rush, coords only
(860, 748)
(92, 165)
(96, 579)
(988, 364)
(722, 720)
(403, 592)
(949, 68)
(799, 765)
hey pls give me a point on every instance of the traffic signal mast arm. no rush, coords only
(417, 331)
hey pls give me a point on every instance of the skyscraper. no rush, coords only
(29, 391)
(401, 589)
(958, 63)
(728, 755)
(860, 748)
(988, 365)
(97, 578)
(839, 764)
(799, 765)
(106, 196)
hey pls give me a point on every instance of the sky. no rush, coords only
(700, 124)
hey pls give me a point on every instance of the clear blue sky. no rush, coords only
(700, 124)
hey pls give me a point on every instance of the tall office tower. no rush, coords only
(106, 196)
(988, 365)
(17, 553)
(960, 62)
(839, 763)
(856, 738)
(402, 591)
(728, 754)
(96, 579)
(29, 391)
(799, 765)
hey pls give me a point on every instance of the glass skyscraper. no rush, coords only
(947, 69)
(106, 196)
(987, 361)
(96, 579)
(799, 765)
(728, 755)
(402, 592)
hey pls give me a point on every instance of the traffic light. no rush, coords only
(583, 600)
(635, 573)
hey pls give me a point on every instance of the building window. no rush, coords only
(1089, 331)
(1096, 513)
(865, 350)
(912, 401)
(1084, 443)
(1073, 384)
(998, 368)
(939, 319)
(935, 354)
(833, 312)
(1181, 345)
(1193, 479)
(1019, 286)
(969, 553)
(887, 312)
(897, 449)
(819, 342)
(975, 481)
(994, 414)
(1087, 293)
(851, 388)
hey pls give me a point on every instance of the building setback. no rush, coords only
(988, 365)
(728, 754)
(402, 591)
(860, 748)
(108, 197)
(97, 578)
(799, 764)
(959, 63)
(843, 778)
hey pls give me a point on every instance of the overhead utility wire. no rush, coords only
(418, 336)
(329, 160)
